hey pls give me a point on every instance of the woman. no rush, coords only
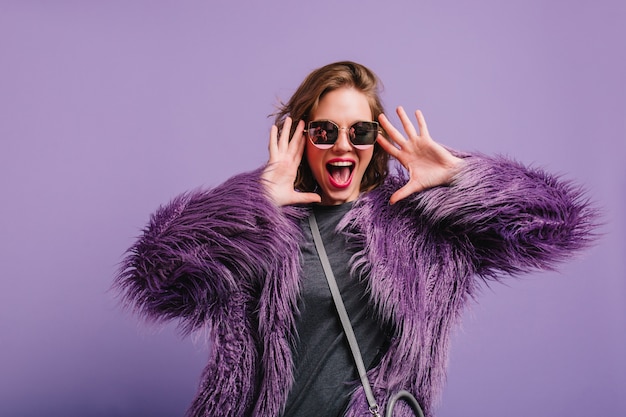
(408, 251)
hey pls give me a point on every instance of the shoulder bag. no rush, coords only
(349, 332)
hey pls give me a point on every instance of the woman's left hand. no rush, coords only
(429, 164)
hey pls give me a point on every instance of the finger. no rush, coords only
(421, 123)
(297, 146)
(306, 198)
(394, 134)
(388, 146)
(283, 141)
(297, 135)
(404, 192)
(273, 145)
(407, 125)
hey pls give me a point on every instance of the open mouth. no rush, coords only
(340, 173)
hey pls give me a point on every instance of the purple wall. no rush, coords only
(109, 108)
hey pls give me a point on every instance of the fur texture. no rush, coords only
(228, 260)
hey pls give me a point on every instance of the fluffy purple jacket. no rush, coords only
(227, 259)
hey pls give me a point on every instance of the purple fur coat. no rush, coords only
(227, 259)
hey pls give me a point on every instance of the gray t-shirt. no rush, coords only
(325, 374)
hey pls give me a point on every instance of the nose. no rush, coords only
(343, 141)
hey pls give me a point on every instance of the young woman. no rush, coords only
(408, 251)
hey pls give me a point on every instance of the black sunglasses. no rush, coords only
(324, 133)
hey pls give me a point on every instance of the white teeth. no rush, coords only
(341, 164)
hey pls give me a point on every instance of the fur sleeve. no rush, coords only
(510, 218)
(201, 250)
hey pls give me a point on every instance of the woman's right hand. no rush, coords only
(280, 173)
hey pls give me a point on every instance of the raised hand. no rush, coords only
(428, 163)
(280, 173)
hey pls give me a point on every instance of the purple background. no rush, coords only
(110, 108)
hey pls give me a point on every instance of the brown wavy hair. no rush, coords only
(305, 101)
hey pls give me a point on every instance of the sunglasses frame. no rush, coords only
(347, 129)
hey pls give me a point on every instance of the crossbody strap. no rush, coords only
(343, 315)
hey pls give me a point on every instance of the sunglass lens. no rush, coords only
(364, 133)
(323, 132)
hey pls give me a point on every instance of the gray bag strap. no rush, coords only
(349, 332)
(343, 315)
